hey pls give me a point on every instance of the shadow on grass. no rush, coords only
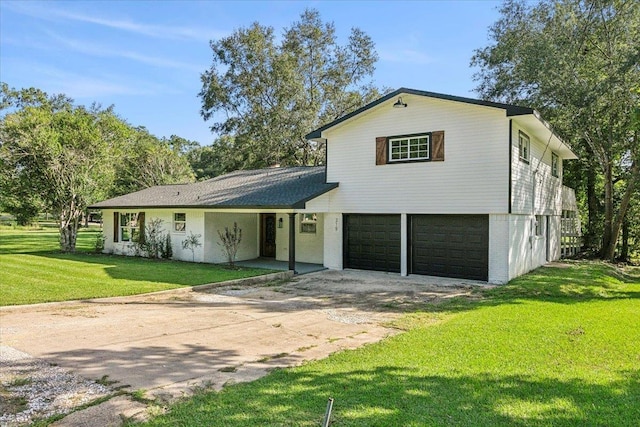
(571, 283)
(389, 396)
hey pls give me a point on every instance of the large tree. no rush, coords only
(58, 157)
(578, 63)
(149, 161)
(59, 153)
(270, 93)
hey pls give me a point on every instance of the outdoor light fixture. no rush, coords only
(399, 103)
(280, 223)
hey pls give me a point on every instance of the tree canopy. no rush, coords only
(59, 157)
(577, 62)
(268, 94)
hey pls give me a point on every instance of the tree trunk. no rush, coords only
(615, 226)
(608, 239)
(70, 217)
(593, 209)
(624, 252)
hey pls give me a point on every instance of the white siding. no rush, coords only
(548, 188)
(194, 224)
(498, 249)
(555, 231)
(309, 246)
(248, 223)
(473, 178)
(333, 241)
(519, 245)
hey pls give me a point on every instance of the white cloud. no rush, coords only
(105, 51)
(86, 86)
(39, 10)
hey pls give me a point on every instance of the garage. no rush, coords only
(450, 246)
(372, 242)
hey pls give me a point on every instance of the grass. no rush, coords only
(33, 270)
(557, 347)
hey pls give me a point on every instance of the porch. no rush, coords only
(273, 264)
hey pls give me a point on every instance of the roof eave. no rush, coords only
(511, 110)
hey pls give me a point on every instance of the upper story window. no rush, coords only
(555, 165)
(409, 148)
(180, 222)
(129, 227)
(524, 146)
(308, 223)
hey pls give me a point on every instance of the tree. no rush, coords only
(149, 161)
(64, 153)
(272, 94)
(223, 156)
(576, 62)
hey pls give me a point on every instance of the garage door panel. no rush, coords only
(372, 242)
(450, 245)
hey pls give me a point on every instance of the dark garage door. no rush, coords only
(372, 242)
(450, 246)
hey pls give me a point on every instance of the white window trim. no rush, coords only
(131, 229)
(176, 222)
(523, 137)
(307, 219)
(555, 169)
(409, 139)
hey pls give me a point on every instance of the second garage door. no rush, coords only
(372, 242)
(450, 246)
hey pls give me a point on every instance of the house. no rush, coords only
(414, 183)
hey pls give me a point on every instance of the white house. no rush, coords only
(414, 183)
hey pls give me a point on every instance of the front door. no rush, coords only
(268, 235)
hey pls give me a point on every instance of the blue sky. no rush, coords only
(146, 57)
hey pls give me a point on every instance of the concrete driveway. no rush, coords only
(166, 343)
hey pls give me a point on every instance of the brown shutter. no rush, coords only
(381, 150)
(141, 230)
(116, 227)
(437, 146)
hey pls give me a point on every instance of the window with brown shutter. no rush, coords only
(141, 232)
(437, 146)
(419, 147)
(381, 150)
(116, 227)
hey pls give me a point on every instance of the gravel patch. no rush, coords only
(31, 389)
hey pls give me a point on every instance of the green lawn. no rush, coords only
(557, 347)
(32, 270)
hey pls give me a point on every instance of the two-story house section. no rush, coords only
(414, 183)
(442, 185)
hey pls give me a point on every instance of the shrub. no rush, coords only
(231, 242)
(191, 243)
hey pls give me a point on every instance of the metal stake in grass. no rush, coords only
(327, 414)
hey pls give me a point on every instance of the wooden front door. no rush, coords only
(268, 235)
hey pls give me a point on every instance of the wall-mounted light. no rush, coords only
(399, 103)
(280, 221)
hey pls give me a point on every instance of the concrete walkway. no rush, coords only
(168, 343)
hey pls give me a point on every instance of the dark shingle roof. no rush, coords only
(272, 188)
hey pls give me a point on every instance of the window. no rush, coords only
(539, 225)
(409, 148)
(308, 223)
(180, 222)
(523, 146)
(555, 165)
(129, 227)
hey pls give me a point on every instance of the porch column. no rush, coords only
(292, 242)
(403, 245)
